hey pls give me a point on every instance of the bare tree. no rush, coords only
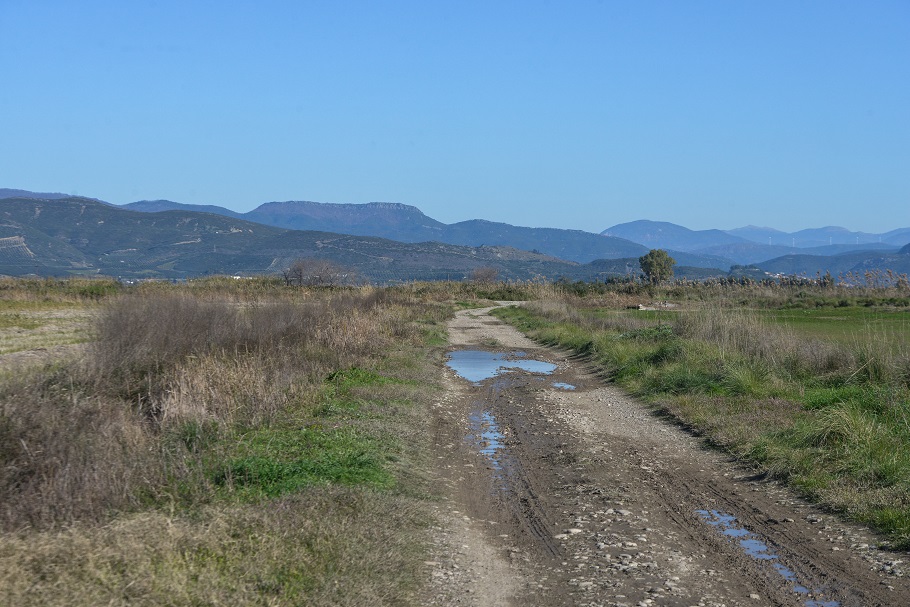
(314, 272)
(485, 274)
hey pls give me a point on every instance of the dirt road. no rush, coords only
(561, 490)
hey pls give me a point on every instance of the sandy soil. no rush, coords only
(582, 497)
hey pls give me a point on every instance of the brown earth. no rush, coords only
(583, 497)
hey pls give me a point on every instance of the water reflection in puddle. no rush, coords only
(753, 546)
(484, 433)
(563, 386)
(478, 365)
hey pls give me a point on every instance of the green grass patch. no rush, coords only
(273, 462)
(848, 325)
(352, 391)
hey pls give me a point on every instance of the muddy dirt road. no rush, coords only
(561, 490)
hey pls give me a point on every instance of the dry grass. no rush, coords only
(216, 446)
(318, 548)
(83, 439)
(67, 455)
(27, 328)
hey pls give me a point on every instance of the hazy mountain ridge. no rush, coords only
(700, 248)
(859, 261)
(81, 236)
(820, 245)
(666, 235)
(407, 224)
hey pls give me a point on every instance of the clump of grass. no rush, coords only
(67, 455)
(273, 462)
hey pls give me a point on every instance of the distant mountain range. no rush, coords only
(81, 236)
(829, 249)
(751, 244)
(552, 252)
(406, 223)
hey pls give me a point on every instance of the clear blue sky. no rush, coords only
(578, 114)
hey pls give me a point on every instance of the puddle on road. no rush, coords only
(478, 365)
(754, 546)
(484, 433)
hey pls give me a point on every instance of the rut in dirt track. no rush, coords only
(561, 490)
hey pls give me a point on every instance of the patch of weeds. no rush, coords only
(895, 522)
(274, 462)
(825, 396)
(742, 379)
(195, 435)
(658, 333)
(667, 352)
(355, 376)
(433, 332)
(337, 398)
(681, 378)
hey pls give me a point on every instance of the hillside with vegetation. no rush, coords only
(85, 237)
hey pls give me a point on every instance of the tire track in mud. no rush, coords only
(580, 497)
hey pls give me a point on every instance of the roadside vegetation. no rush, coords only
(809, 383)
(220, 442)
(258, 442)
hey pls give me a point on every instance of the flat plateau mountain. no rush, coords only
(407, 223)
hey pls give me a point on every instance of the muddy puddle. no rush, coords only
(485, 435)
(479, 365)
(754, 545)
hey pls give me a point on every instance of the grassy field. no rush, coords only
(817, 397)
(217, 443)
(849, 326)
(48, 313)
(249, 443)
